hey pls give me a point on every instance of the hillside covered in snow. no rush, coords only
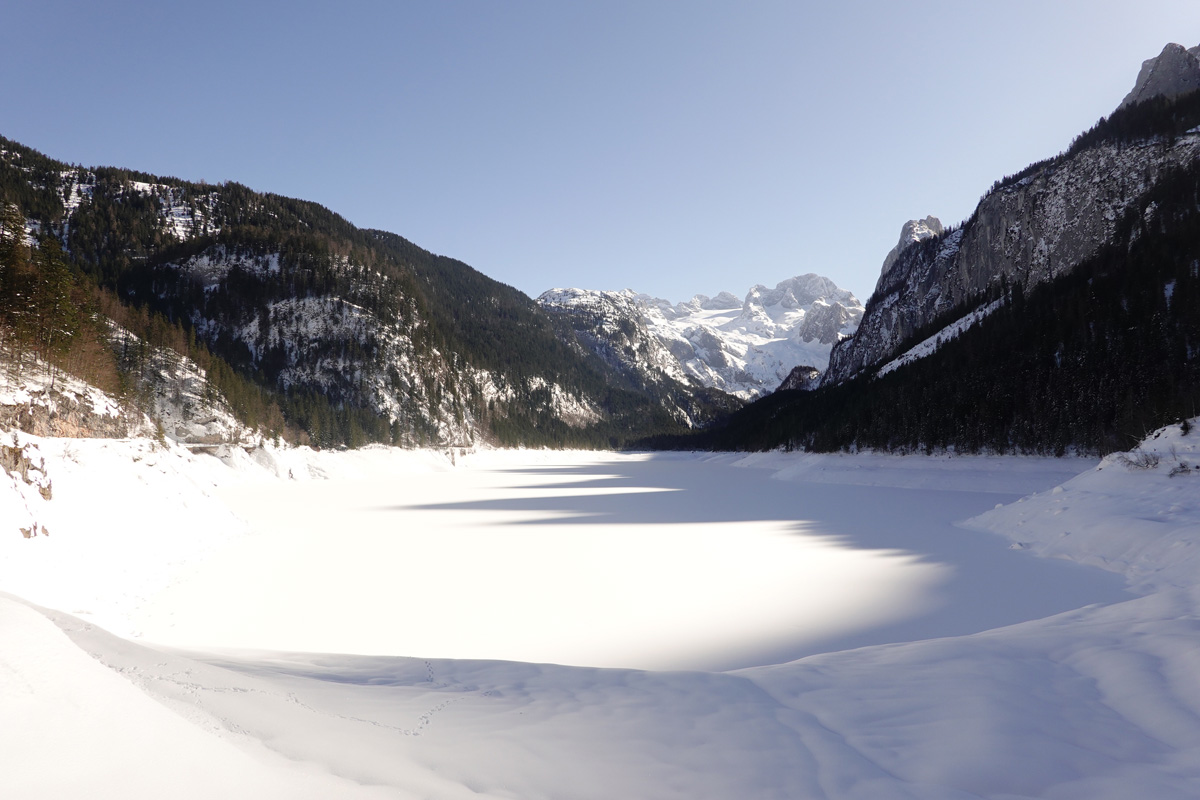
(744, 347)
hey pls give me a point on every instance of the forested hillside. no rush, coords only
(333, 334)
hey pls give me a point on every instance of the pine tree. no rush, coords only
(52, 316)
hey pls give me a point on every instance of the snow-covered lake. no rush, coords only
(1046, 680)
(652, 562)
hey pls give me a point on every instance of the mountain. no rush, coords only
(349, 335)
(1064, 314)
(1028, 229)
(913, 231)
(1173, 72)
(744, 347)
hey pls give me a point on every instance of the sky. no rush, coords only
(669, 147)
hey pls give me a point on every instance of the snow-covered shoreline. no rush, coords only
(1097, 701)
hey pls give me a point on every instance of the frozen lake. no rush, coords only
(663, 562)
(431, 571)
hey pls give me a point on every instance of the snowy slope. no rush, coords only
(1136, 513)
(927, 347)
(743, 347)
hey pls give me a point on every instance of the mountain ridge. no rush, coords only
(1028, 229)
(358, 335)
(744, 347)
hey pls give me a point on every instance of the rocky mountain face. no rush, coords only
(1063, 316)
(1030, 229)
(1173, 72)
(744, 347)
(915, 230)
(802, 378)
(356, 335)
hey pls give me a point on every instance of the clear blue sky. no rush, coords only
(669, 147)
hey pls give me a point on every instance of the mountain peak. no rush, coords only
(915, 230)
(1174, 71)
(742, 347)
(723, 300)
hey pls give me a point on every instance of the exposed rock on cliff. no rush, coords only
(803, 378)
(1024, 232)
(68, 409)
(913, 231)
(1173, 72)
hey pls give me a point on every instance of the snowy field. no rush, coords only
(392, 624)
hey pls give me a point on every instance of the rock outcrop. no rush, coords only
(803, 378)
(1172, 72)
(913, 231)
(69, 412)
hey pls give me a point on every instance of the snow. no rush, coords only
(35, 385)
(397, 581)
(933, 343)
(1129, 514)
(744, 347)
(73, 728)
(181, 218)
(759, 339)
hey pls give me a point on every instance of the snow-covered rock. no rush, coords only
(802, 378)
(37, 400)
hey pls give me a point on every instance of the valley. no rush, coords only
(294, 508)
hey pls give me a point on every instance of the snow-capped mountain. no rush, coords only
(743, 347)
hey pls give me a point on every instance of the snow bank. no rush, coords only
(129, 518)
(1137, 514)
(74, 728)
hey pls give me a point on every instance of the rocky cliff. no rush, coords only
(1034, 226)
(913, 231)
(1024, 232)
(1173, 72)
